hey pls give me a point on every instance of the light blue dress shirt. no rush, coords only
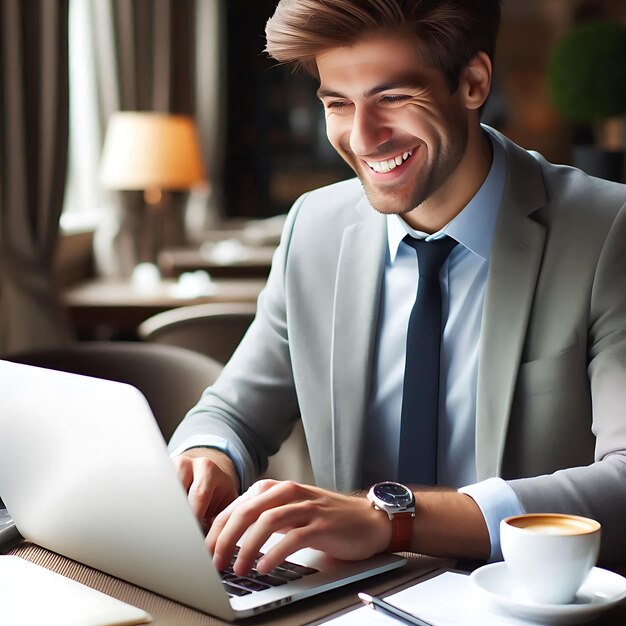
(463, 280)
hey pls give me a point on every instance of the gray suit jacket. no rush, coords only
(551, 404)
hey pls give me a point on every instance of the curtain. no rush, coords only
(210, 107)
(143, 62)
(33, 158)
(165, 56)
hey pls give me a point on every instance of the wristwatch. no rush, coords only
(398, 502)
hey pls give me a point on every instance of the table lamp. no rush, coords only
(153, 153)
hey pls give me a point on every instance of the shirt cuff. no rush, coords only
(496, 500)
(218, 443)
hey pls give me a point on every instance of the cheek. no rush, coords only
(449, 120)
(427, 123)
(336, 130)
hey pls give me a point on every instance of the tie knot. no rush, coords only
(431, 254)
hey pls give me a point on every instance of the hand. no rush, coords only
(210, 479)
(346, 527)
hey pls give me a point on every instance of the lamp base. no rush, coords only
(134, 232)
(164, 224)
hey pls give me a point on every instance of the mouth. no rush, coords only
(388, 165)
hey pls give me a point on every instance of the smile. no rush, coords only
(390, 164)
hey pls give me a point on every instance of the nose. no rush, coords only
(369, 131)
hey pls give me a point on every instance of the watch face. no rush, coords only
(393, 494)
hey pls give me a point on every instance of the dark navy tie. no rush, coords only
(417, 462)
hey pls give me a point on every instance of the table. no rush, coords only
(241, 262)
(169, 613)
(102, 306)
(309, 611)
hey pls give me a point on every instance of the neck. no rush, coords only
(458, 189)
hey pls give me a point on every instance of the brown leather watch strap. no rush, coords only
(401, 532)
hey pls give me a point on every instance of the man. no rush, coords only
(532, 357)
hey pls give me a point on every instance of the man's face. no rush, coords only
(395, 122)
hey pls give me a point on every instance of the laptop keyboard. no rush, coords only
(244, 585)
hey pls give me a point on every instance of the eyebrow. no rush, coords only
(394, 84)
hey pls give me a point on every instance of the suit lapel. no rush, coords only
(514, 265)
(355, 320)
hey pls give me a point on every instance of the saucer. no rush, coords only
(600, 591)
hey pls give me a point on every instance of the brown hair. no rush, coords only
(448, 33)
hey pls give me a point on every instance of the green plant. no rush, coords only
(587, 72)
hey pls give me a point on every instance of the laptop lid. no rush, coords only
(85, 473)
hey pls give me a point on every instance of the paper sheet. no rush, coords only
(31, 594)
(445, 600)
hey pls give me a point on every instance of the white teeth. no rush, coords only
(387, 166)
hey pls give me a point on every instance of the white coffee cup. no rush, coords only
(549, 555)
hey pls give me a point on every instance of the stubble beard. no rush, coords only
(387, 203)
(430, 177)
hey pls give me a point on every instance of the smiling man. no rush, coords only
(452, 320)
(402, 131)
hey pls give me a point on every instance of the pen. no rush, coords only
(392, 611)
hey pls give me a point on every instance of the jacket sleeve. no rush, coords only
(598, 490)
(253, 404)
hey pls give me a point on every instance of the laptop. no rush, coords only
(84, 471)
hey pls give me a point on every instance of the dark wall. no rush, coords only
(276, 148)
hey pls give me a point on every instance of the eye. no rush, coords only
(394, 99)
(336, 104)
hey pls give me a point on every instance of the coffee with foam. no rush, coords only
(549, 555)
(555, 524)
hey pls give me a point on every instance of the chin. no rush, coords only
(387, 203)
(385, 206)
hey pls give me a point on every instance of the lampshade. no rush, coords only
(150, 150)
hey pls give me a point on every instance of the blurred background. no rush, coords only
(150, 149)
(268, 132)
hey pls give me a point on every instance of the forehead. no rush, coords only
(370, 62)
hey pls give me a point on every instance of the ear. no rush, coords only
(475, 81)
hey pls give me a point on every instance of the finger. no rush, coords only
(233, 522)
(184, 469)
(248, 510)
(296, 539)
(223, 496)
(290, 516)
(263, 485)
(223, 555)
(199, 498)
(202, 488)
(219, 521)
(221, 499)
(217, 525)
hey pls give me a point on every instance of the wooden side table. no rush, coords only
(104, 309)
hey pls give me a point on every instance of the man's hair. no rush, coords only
(448, 33)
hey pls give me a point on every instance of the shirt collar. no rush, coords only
(474, 226)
